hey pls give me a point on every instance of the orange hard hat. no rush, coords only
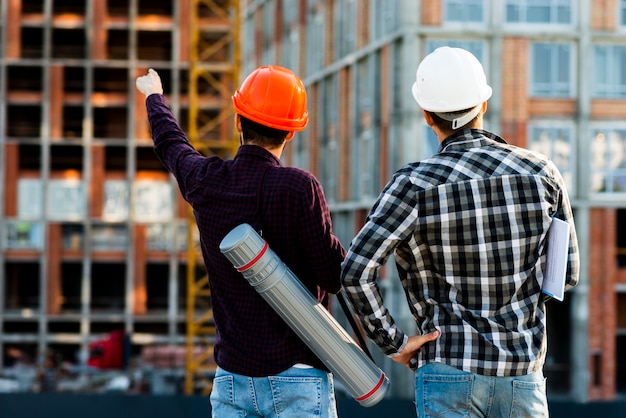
(273, 96)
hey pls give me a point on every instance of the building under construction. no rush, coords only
(557, 72)
(93, 232)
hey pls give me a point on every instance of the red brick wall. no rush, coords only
(602, 307)
(314, 134)
(12, 155)
(604, 15)
(13, 29)
(514, 90)
(363, 20)
(612, 109)
(552, 107)
(140, 290)
(96, 183)
(54, 281)
(431, 13)
(56, 101)
(330, 35)
(99, 31)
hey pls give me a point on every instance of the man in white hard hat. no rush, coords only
(468, 230)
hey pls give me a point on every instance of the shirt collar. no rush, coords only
(258, 152)
(468, 138)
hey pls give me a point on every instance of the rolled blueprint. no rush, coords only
(277, 284)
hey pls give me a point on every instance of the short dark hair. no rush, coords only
(446, 125)
(260, 134)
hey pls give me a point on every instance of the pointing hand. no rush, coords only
(150, 83)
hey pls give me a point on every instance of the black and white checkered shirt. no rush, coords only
(468, 230)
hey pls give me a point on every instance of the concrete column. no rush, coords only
(580, 294)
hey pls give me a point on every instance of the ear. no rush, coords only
(237, 122)
(484, 109)
(289, 136)
(429, 119)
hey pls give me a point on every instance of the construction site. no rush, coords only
(102, 287)
(94, 233)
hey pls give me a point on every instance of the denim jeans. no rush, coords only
(296, 392)
(444, 391)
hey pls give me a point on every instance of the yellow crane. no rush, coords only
(213, 77)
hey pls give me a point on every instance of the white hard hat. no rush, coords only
(450, 80)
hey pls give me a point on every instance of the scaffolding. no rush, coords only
(213, 76)
(94, 237)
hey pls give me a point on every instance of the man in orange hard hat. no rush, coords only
(264, 369)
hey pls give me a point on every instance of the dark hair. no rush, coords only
(446, 125)
(260, 134)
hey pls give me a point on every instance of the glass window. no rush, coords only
(463, 11)
(539, 11)
(345, 27)
(269, 23)
(301, 151)
(248, 44)
(109, 238)
(115, 200)
(622, 12)
(609, 72)
(66, 200)
(167, 237)
(328, 109)
(29, 198)
(290, 51)
(608, 160)
(367, 161)
(551, 70)
(153, 201)
(477, 48)
(24, 235)
(384, 17)
(291, 37)
(364, 145)
(160, 237)
(316, 35)
(268, 32)
(621, 260)
(556, 140)
(73, 237)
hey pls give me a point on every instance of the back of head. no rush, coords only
(273, 96)
(451, 82)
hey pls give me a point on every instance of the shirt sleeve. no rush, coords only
(389, 223)
(324, 252)
(172, 146)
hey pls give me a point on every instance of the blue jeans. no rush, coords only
(296, 392)
(444, 391)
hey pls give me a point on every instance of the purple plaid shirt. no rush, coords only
(251, 338)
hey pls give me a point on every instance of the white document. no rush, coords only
(556, 259)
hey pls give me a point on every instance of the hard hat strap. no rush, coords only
(462, 120)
